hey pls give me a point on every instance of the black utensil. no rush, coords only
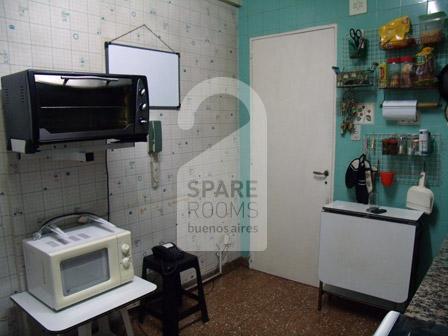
(443, 87)
(356, 36)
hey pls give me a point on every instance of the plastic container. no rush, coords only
(424, 142)
(425, 71)
(403, 145)
(383, 74)
(407, 71)
(431, 27)
(414, 144)
(390, 146)
(387, 178)
(394, 70)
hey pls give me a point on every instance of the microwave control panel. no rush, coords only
(125, 256)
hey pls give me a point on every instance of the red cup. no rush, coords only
(387, 178)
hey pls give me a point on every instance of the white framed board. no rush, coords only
(161, 68)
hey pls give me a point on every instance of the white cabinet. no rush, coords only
(366, 253)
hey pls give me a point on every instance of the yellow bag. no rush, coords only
(394, 35)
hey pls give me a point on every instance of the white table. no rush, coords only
(82, 314)
(368, 257)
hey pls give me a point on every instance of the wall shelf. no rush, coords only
(410, 88)
(355, 86)
(407, 168)
(80, 151)
(357, 78)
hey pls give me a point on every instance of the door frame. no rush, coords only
(334, 27)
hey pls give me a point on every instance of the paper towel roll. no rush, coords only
(400, 110)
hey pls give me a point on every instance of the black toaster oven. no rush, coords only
(44, 107)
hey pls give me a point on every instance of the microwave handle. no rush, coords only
(57, 230)
(50, 225)
(107, 79)
(101, 221)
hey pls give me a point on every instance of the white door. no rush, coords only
(292, 74)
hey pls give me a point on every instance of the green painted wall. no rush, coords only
(262, 17)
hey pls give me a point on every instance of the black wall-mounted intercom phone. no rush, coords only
(168, 252)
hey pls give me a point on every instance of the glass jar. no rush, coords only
(407, 71)
(390, 146)
(415, 142)
(431, 28)
(403, 145)
(383, 81)
(394, 68)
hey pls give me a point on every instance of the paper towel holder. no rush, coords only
(425, 105)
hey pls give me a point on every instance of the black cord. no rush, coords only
(69, 214)
(107, 187)
(213, 287)
(446, 111)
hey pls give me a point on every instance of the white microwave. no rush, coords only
(66, 267)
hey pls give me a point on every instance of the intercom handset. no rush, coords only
(155, 136)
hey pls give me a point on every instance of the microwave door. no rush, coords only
(84, 107)
(85, 271)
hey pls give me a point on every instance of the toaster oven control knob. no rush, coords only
(142, 92)
(125, 249)
(143, 106)
(126, 262)
(142, 121)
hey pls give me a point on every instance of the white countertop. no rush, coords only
(73, 316)
(391, 213)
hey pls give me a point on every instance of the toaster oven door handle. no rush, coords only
(58, 231)
(107, 79)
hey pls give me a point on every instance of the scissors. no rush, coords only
(356, 36)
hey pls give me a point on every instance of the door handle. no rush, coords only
(108, 79)
(324, 173)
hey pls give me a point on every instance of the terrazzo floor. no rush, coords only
(246, 302)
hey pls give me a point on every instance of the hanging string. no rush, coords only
(152, 32)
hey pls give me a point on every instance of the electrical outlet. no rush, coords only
(358, 7)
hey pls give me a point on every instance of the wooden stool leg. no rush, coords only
(25, 327)
(104, 327)
(127, 322)
(319, 299)
(85, 329)
(141, 311)
(201, 295)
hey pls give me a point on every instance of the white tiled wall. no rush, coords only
(70, 35)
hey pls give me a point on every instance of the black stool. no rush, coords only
(171, 295)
